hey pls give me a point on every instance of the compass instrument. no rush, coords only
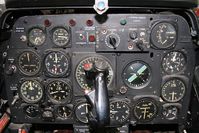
(36, 37)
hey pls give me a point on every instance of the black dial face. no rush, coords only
(173, 90)
(145, 110)
(174, 62)
(31, 91)
(29, 63)
(163, 35)
(64, 112)
(57, 64)
(119, 111)
(60, 36)
(59, 91)
(170, 112)
(36, 37)
(80, 73)
(136, 75)
(82, 111)
(31, 111)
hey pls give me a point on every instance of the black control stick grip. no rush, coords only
(101, 94)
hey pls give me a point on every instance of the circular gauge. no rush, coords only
(57, 64)
(29, 63)
(145, 110)
(163, 35)
(82, 111)
(36, 37)
(31, 91)
(31, 111)
(64, 112)
(173, 90)
(170, 112)
(112, 40)
(80, 73)
(59, 91)
(174, 62)
(136, 75)
(60, 36)
(119, 111)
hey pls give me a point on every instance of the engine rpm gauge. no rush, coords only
(136, 75)
(59, 91)
(119, 111)
(80, 73)
(173, 90)
(145, 110)
(57, 63)
(163, 35)
(60, 36)
(64, 112)
(174, 62)
(31, 91)
(29, 63)
(36, 36)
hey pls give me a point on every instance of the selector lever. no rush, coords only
(98, 97)
(113, 42)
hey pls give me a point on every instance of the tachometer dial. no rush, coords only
(64, 112)
(145, 110)
(29, 63)
(31, 91)
(36, 37)
(31, 111)
(82, 111)
(57, 64)
(173, 90)
(136, 75)
(163, 35)
(59, 91)
(174, 62)
(60, 36)
(80, 73)
(119, 111)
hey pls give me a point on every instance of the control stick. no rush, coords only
(98, 97)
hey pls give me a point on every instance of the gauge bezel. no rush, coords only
(184, 67)
(66, 55)
(126, 103)
(60, 27)
(155, 44)
(146, 99)
(138, 87)
(26, 100)
(170, 79)
(75, 109)
(36, 27)
(21, 69)
(25, 107)
(94, 56)
(59, 116)
(68, 99)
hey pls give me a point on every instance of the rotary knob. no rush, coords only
(112, 40)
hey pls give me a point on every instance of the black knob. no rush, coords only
(133, 35)
(140, 45)
(11, 69)
(113, 41)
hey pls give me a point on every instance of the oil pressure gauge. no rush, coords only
(64, 112)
